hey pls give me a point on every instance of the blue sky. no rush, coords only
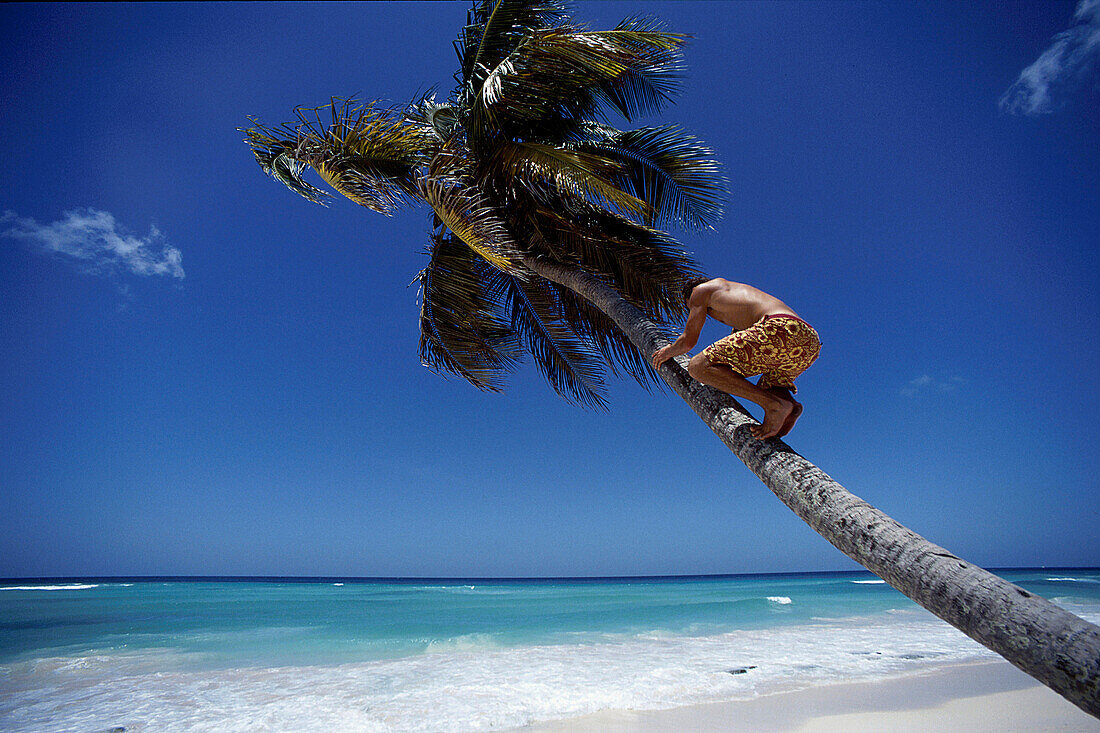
(201, 373)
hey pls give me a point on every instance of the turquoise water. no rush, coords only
(364, 655)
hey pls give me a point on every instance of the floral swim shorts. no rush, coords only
(778, 348)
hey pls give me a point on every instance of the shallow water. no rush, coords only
(455, 655)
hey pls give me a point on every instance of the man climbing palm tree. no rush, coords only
(548, 238)
(768, 339)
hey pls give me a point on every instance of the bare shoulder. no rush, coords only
(747, 292)
(722, 294)
(702, 293)
(730, 289)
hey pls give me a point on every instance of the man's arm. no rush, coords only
(697, 316)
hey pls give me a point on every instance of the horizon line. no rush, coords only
(458, 578)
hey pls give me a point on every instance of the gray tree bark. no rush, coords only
(1047, 642)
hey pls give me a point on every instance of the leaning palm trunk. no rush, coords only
(526, 180)
(1052, 645)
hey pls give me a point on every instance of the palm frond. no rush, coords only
(669, 170)
(494, 28)
(579, 173)
(517, 163)
(464, 210)
(369, 155)
(443, 118)
(647, 88)
(453, 162)
(598, 329)
(563, 70)
(461, 328)
(374, 193)
(647, 266)
(571, 367)
(275, 154)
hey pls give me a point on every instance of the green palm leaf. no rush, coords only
(461, 330)
(566, 69)
(571, 367)
(647, 266)
(494, 28)
(598, 329)
(517, 163)
(644, 88)
(369, 155)
(464, 210)
(669, 170)
(275, 155)
(568, 172)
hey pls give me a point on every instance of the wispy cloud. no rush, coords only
(926, 383)
(1061, 68)
(95, 243)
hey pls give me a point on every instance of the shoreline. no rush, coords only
(972, 697)
(637, 656)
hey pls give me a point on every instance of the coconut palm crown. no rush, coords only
(521, 164)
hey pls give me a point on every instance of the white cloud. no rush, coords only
(1063, 66)
(926, 383)
(94, 242)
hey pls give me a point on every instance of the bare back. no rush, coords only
(736, 304)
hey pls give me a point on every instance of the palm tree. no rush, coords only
(548, 239)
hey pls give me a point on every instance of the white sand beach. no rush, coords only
(991, 697)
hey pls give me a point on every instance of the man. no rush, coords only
(768, 339)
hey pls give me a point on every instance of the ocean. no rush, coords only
(366, 655)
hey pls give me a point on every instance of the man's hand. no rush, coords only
(681, 345)
(697, 314)
(660, 356)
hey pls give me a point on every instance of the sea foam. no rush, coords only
(410, 658)
(466, 685)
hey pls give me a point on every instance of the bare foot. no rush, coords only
(775, 415)
(791, 419)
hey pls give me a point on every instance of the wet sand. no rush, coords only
(972, 698)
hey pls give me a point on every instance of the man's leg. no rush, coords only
(784, 393)
(777, 408)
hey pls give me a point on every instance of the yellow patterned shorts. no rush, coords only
(778, 348)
